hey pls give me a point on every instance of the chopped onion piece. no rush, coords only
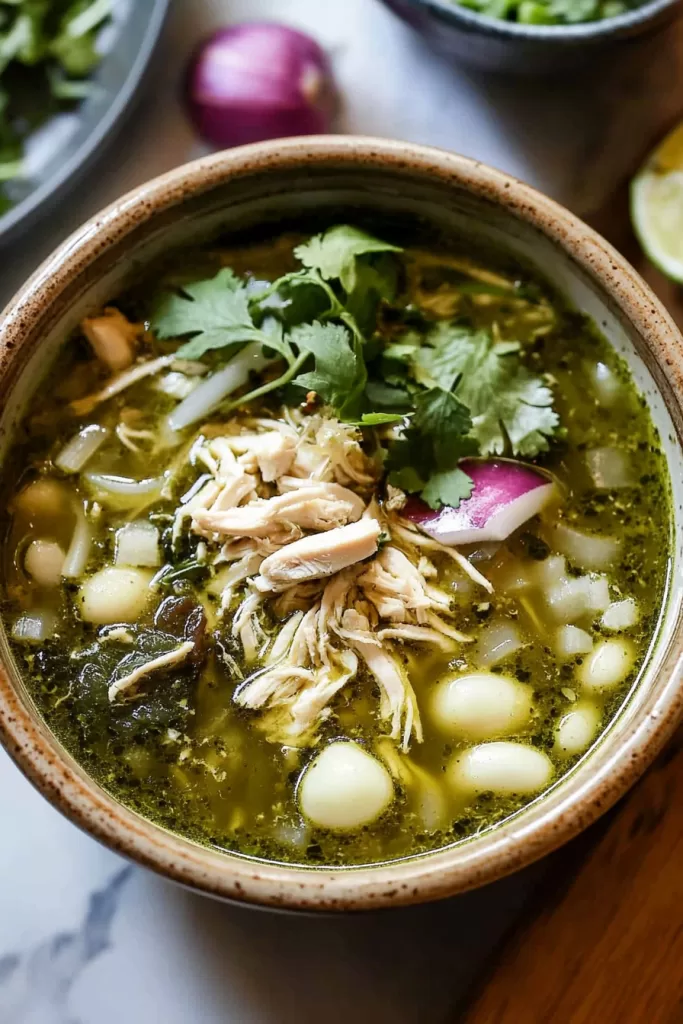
(570, 642)
(550, 571)
(585, 550)
(610, 468)
(122, 491)
(497, 642)
(620, 615)
(607, 385)
(81, 448)
(35, 627)
(505, 495)
(577, 597)
(212, 390)
(79, 549)
(138, 544)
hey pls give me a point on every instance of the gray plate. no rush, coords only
(133, 36)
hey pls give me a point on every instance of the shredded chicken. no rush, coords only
(271, 453)
(293, 530)
(131, 681)
(319, 507)
(398, 698)
(319, 555)
(113, 338)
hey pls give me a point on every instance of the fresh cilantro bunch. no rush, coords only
(550, 12)
(450, 391)
(47, 52)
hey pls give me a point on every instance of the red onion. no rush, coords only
(504, 496)
(258, 81)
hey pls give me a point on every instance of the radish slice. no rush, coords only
(505, 495)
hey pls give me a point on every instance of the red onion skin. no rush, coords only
(259, 81)
(500, 487)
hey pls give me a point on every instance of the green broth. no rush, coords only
(183, 754)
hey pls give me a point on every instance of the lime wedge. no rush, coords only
(657, 205)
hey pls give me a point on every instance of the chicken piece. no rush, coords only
(112, 338)
(318, 507)
(318, 556)
(130, 682)
(397, 588)
(272, 453)
(398, 701)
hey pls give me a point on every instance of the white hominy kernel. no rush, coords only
(502, 767)
(344, 788)
(576, 729)
(608, 665)
(481, 705)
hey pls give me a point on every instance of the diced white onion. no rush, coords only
(137, 543)
(550, 571)
(607, 385)
(79, 549)
(577, 729)
(570, 642)
(35, 627)
(608, 665)
(44, 562)
(114, 594)
(344, 788)
(211, 392)
(620, 615)
(585, 550)
(610, 468)
(481, 706)
(501, 767)
(77, 452)
(576, 597)
(497, 642)
(516, 578)
(122, 491)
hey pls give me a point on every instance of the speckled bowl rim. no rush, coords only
(554, 818)
(635, 20)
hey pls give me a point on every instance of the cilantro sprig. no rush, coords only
(451, 391)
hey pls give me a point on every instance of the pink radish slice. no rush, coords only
(505, 495)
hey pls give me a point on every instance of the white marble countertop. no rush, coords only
(86, 938)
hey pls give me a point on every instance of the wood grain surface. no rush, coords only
(606, 942)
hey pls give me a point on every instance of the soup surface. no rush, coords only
(329, 551)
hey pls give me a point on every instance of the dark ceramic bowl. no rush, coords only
(495, 45)
(134, 33)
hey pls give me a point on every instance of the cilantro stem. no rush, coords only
(272, 385)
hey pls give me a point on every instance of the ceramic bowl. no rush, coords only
(264, 184)
(492, 44)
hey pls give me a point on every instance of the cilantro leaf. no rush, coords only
(217, 312)
(507, 403)
(334, 253)
(447, 487)
(425, 460)
(340, 374)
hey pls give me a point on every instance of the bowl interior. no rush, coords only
(467, 202)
